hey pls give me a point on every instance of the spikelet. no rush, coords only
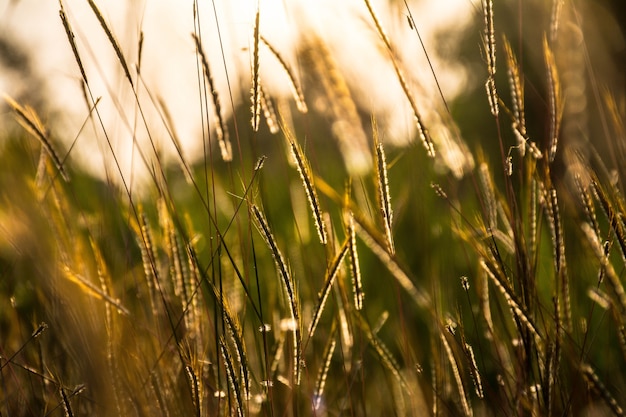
(554, 95)
(67, 407)
(492, 96)
(234, 331)
(616, 223)
(172, 247)
(586, 199)
(27, 117)
(220, 128)
(320, 381)
(105, 280)
(558, 241)
(516, 86)
(512, 300)
(295, 87)
(382, 182)
(139, 51)
(421, 129)
(270, 113)
(457, 376)
(355, 269)
(39, 330)
(307, 179)
(289, 287)
(232, 377)
(434, 382)
(196, 300)
(143, 234)
(114, 43)
(195, 389)
(485, 305)
(599, 297)
(621, 336)
(331, 274)
(489, 37)
(345, 332)
(489, 41)
(72, 40)
(611, 275)
(346, 123)
(549, 371)
(595, 382)
(92, 290)
(489, 199)
(255, 91)
(555, 18)
(476, 379)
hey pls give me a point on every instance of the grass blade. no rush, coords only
(30, 121)
(289, 287)
(331, 274)
(220, 128)
(382, 182)
(112, 40)
(307, 179)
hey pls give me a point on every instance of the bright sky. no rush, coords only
(169, 63)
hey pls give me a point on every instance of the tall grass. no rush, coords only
(500, 293)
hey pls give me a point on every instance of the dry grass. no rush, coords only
(204, 295)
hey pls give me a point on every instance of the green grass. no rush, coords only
(498, 293)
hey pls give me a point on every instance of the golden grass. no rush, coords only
(290, 291)
(112, 40)
(304, 169)
(28, 118)
(421, 128)
(329, 279)
(295, 86)
(169, 304)
(255, 91)
(382, 181)
(555, 99)
(220, 128)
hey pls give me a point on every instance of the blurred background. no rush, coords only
(38, 66)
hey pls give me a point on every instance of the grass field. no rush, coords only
(303, 265)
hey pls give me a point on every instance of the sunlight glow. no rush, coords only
(169, 65)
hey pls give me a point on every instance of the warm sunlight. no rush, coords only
(169, 66)
(294, 208)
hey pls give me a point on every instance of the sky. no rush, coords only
(169, 66)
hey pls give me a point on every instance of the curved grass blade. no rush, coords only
(289, 287)
(331, 274)
(112, 40)
(295, 87)
(355, 269)
(30, 121)
(320, 381)
(421, 129)
(220, 128)
(232, 377)
(382, 182)
(307, 179)
(256, 89)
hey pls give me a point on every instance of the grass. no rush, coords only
(297, 273)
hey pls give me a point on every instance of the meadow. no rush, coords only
(302, 263)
